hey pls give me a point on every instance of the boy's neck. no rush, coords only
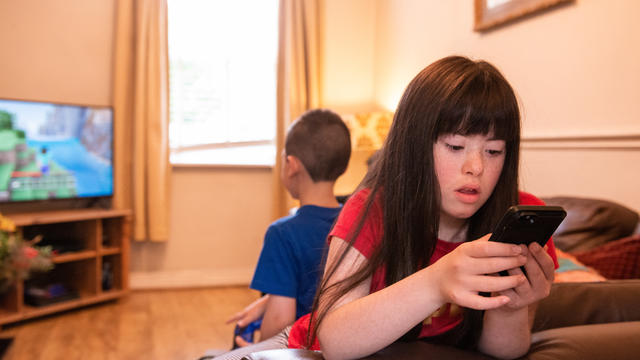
(318, 194)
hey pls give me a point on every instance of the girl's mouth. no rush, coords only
(468, 191)
(468, 195)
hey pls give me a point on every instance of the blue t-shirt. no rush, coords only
(290, 261)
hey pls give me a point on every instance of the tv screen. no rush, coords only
(54, 151)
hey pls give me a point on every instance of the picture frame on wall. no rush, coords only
(491, 13)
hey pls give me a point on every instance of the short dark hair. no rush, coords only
(321, 140)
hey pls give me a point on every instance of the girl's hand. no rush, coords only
(540, 274)
(462, 273)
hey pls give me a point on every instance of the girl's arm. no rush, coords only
(506, 332)
(360, 323)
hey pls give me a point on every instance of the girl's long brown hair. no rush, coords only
(454, 95)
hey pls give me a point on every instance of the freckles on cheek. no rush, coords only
(443, 173)
(496, 172)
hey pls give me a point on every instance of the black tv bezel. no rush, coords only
(76, 202)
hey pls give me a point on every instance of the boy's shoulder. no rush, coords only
(307, 225)
(305, 216)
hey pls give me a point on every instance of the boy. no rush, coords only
(316, 153)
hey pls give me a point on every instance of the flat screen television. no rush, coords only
(54, 151)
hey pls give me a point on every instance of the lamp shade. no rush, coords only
(368, 130)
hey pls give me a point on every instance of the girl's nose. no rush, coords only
(473, 164)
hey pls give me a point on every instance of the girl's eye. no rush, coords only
(495, 152)
(454, 147)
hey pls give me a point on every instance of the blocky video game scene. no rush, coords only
(53, 151)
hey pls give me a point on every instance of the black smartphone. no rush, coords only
(524, 224)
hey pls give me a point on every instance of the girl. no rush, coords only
(408, 256)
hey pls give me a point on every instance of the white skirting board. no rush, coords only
(189, 278)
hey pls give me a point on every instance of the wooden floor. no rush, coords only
(168, 324)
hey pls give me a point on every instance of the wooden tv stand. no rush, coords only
(93, 260)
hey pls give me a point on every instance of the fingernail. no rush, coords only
(536, 247)
(516, 249)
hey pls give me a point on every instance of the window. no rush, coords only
(222, 80)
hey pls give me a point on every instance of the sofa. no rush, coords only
(601, 235)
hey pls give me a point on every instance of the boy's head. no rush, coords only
(321, 141)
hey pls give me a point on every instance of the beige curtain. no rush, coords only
(141, 147)
(299, 87)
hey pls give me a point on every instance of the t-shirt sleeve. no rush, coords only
(369, 236)
(529, 199)
(276, 270)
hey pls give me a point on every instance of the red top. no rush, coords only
(445, 318)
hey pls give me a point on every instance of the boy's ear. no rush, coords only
(293, 165)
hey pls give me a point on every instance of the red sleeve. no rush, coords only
(370, 235)
(298, 334)
(528, 199)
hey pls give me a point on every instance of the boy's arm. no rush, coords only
(280, 312)
(251, 313)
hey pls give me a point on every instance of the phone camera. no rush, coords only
(530, 219)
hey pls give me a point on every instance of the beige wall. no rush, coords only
(57, 51)
(218, 220)
(348, 58)
(348, 67)
(576, 70)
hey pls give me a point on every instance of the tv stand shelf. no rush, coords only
(91, 260)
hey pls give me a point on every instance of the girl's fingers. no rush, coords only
(478, 302)
(524, 288)
(496, 283)
(534, 272)
(482, 249)
(511, 293)
(544, 260)
(495, 264)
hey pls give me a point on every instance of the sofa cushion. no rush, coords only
(619, 259)
(573, 270)
(571, 304)
(601, 341)
(591, 222)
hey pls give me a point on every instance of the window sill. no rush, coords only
(253, 156)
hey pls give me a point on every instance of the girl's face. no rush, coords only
(468, 168)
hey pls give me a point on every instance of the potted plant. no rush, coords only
(19, 257)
